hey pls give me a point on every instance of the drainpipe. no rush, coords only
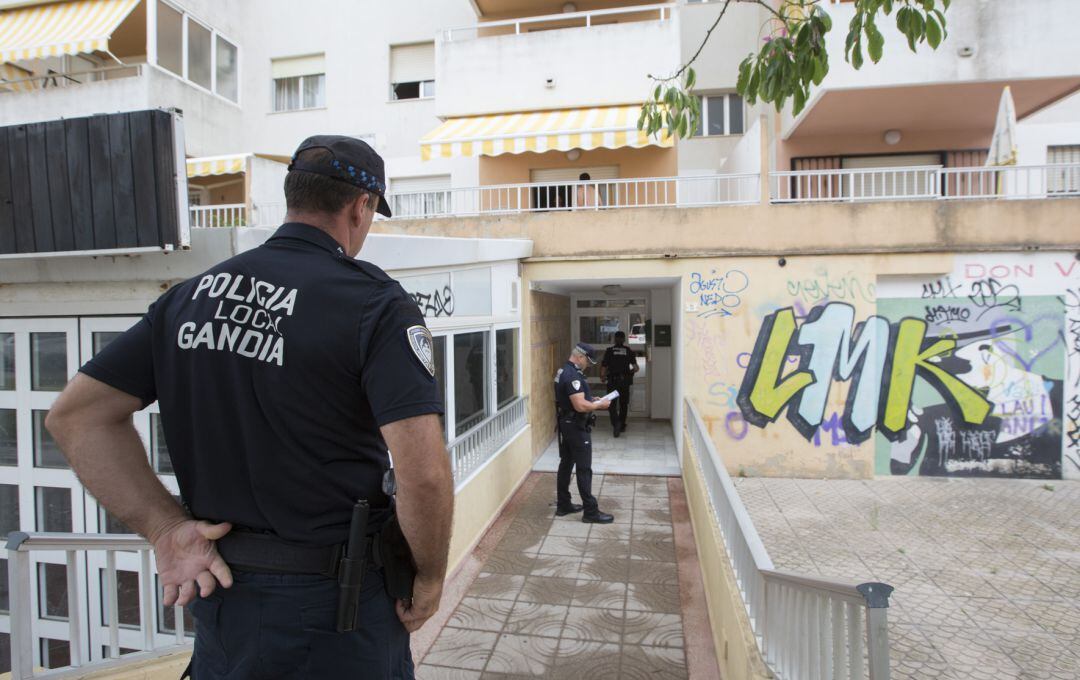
(763, 180)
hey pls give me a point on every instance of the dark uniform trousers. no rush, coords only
(575, 451)
(284, 626)
(620, 406)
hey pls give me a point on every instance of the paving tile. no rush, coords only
(512, 563)
(653, 663)
(523, 655)
(497, 586)
(429, 672)
(652, 517)
(607, 549)
(477, 613)
(591, 623)
(599, 594)
(653, 629)
(530, 618)
(570, 529)
(577, 659)
(653, 549)
(652, 597)
(647, 571)
(596, 569)
(563, 545)
(547, 590)
(563, 566)
(459, 648)
(620, 532)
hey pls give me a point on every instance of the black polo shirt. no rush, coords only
(570, 380)
(274, 371)
(618, 360)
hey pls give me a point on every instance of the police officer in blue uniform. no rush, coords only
(575, 410)
(618, 368)
(283, 375)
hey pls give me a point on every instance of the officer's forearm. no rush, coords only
(91, 422)
(425, 491)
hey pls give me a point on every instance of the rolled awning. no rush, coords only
(216, 165)
(60, 28)
(608, 127)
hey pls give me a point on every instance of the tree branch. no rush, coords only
(700, 47)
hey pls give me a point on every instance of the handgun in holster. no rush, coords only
(399, 567)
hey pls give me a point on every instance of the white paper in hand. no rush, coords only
(610, 396)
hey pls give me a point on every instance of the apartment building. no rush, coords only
(530, 213)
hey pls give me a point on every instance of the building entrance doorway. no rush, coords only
(596, 319)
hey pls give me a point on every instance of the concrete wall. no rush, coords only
(1055, 125)
(993, 392)
(651, 161)
(662, 366)
(511, 70)
(547, 341)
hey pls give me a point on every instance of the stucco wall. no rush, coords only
(548, 342)
(650, 161)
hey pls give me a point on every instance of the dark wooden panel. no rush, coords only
(101, 184)
(123, 183)
(60, 196)
(7, 219)
(20, 191)
(142, 163)
(79, 189)
(38, 169)
(165, 177)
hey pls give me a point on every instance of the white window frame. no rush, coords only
(422, 97)
(151, 51)
(703, 117)
(300, 87)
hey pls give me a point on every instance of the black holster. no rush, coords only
(399, 567)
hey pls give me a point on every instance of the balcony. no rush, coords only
(499, 59)
(953, 88)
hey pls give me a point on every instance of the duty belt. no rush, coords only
(260, 552)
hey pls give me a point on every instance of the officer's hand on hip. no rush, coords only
(425, 602)
(186, 557)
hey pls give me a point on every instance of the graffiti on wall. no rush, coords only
(966, 379)
(434, 303)
(1071, 459)
(717, 293)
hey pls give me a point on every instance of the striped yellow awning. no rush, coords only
(13, 79)
(58, 28)
(216, 165)
(608, 127)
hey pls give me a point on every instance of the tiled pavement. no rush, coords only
(558, 598)
(647, 447)
(987, 572)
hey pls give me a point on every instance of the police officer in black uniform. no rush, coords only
(617, 369)
(575, 412)
(284, 375)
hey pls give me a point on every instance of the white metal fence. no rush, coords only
(807, 628)
(586, 19)
(925, 182)
(19, 547)
(231, 215)
(472, 449)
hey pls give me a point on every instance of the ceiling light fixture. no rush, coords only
(892, 137)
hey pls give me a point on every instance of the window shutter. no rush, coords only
(412, 63)
(291, 67)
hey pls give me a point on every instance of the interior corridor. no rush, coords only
(647, 447)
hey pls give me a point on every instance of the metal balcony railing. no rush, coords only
(232, 215)
(19, 547)
(564, 20)
(926, 182)
(806, 627)
(480, 443)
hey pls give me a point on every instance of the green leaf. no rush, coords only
(820, 69)
(691, 78)
(752, 87)
(656, 94)
(800, 100)
(856, 54)
(875, 42)
(825, 19)
(933, 32)
(744, 76)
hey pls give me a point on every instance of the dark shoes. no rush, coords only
(617, 431)
(568, 510)
(598, 518)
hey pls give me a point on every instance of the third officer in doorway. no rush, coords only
(575, 410)
(618, 369)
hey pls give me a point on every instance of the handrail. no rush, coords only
(469, 451)
(225, 215)
(587, 15)
(805, 626)
(70, 75)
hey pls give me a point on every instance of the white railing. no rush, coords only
(564, 20)
(472, 449)
(19, 547)
(925, 182)
(806, 627)
(55, 79)
(232, 215)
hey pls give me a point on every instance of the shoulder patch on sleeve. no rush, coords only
(422, 346)
(576, 384)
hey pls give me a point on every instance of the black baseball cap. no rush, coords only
(588, 350)
(352, 161)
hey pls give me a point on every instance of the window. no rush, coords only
(1066, 179)
(299, 83)
(55, 653)
(48, 361)
(198, 54)
(599, 330)
(111, 525)
(470, 380)
(9, 509)
(412, 71)
(721, 114)
(7, 361)
(101, 340)
(9, 443)
(159, 450)
(170, 39)
(106, 651)
(438, 347)
(52, 591)
(5, 652)
(228, 70)
(53, 509)
(420, 196)
(46, 452)
(505, 366)
(127, 598)
(5, 598)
